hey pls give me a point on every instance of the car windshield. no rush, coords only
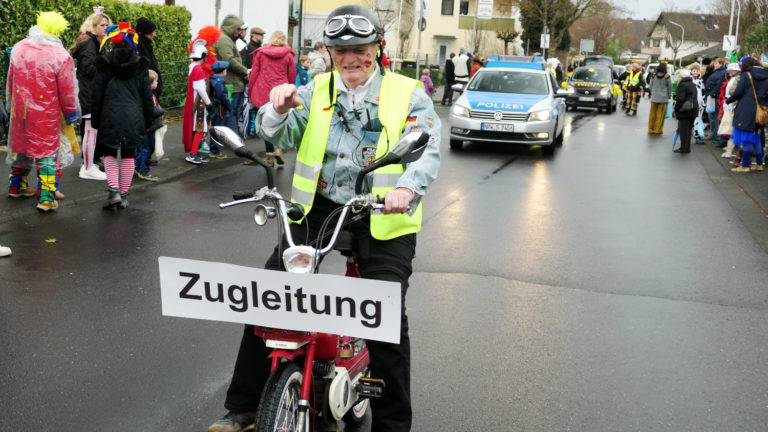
(597, 60)
(519, 82)
(600, 75)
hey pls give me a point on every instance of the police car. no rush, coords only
(514, 102)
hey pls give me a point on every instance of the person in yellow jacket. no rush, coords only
(633, 88)
(341, 122)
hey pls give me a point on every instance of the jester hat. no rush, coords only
(122, 33)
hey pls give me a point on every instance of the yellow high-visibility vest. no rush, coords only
(394, 100)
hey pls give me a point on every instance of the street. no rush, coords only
(614, 286)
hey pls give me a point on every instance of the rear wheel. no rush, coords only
(456, 144)
(279, 405)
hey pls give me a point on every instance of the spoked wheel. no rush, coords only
(357, 413)
(279, 406)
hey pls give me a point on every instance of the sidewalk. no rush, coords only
(78, 191)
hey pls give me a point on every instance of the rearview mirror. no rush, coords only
(226, 138)
(409, 148)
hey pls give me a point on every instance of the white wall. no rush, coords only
(269, 15)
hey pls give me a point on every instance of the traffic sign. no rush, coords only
(729, 43)
(485, 9)
(544, 41)
(422, 24)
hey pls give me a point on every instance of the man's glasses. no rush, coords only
(358, 25)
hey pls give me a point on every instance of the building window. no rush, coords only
(656, 43)
(447, 7)
(464, 8)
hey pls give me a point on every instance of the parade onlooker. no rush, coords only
(449, 78)
(195, 124)
(85, 52)
(318, 60)
(695, 70)
(302, 71)
(226, 50)
(426, 81)
(40, 87)
(475, 66)
(143, 166)
(272, 66)
(661, 93)
(147, 31)
(751, 89)
(122, 110)
(712, 92)
(461, 67)
(726, 110)
(257, 38)
(686, 109)
(222, 113)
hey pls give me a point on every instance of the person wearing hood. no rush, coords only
(85, 52)
(123, 110)
(272, 65)
(40, 89)
(661, 93)
(751, 89)
(226, 50)
(147, 31)
(686, 108)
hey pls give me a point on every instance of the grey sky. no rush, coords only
(650, 9)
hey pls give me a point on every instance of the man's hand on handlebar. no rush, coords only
(284, 97)
(397, 200)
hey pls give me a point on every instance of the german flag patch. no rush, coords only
(411, 120)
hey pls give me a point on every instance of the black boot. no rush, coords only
(113, 199)
(123, 201)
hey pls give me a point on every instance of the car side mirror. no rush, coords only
(560, 93)
(458, 88)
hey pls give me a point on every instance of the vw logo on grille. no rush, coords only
(498, 115)
(586, 92)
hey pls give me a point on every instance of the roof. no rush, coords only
(697, 26)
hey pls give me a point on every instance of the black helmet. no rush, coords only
(352, 25)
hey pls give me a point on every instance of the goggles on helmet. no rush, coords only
(346, 24)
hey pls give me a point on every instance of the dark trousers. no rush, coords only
(388, 260)
(147, 148)
(447, 93)
(685, 131)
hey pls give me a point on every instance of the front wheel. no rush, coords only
(279, 405)
(456, 144)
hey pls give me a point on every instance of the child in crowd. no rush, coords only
(426, 81)
(302, 71)
(222, 112)
(122, 110)
(195, 124)
(142, 160)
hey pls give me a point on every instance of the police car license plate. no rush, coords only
(586, 99)
(497, 127)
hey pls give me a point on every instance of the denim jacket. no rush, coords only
(349, 144)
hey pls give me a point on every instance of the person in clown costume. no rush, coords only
(41, 88)
(123, 109)
(194, 123)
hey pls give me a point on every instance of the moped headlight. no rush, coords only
(262, 213)
(540, 115)
(299, 259)
(460, 111)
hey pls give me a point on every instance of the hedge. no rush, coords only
(173, 32)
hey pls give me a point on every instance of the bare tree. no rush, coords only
(558, 15)
(508, 36)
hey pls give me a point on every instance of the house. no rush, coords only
(449, 26)
(702, 37)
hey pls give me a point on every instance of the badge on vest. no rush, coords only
(368, 155)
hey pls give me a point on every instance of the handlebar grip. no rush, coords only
(241, 195)
(295, 212)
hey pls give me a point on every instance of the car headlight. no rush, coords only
(605, 91)
(571, 90)
(540, 115)
(460, 111)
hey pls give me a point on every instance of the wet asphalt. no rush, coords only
(615, 286)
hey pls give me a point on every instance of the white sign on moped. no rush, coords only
(364, 308)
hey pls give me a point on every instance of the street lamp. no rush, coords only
(682, 38)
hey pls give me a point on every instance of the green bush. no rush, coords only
(173, 32)
(434, 74)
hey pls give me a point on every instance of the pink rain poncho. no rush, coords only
(41, 87)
